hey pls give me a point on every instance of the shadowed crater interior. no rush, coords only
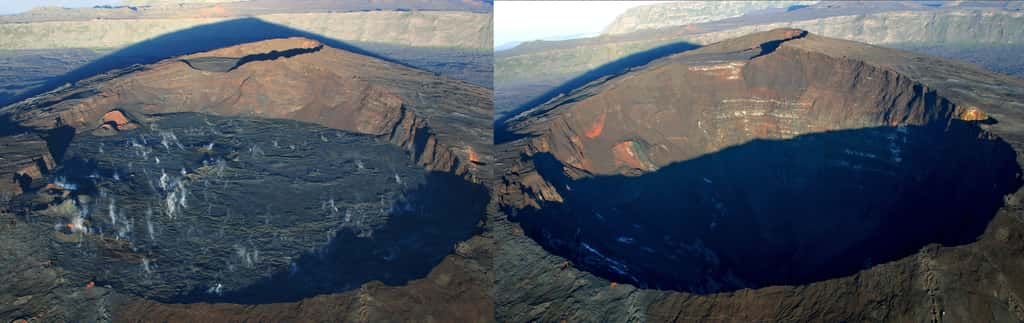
(779, 212)
(197, 208)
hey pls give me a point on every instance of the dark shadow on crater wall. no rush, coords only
(9, 127)
(784, 212)
(771, 46)
(58, 139)
(188, 41)
(440, 213)
(227, 64)
(610, 69)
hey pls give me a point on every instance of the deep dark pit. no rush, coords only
(264, 211)
(779, 212)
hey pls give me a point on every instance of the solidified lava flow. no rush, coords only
(205, 208)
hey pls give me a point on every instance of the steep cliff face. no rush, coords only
(667, 15)
(25, 160)
(441, 122)
(815, 150)
(683, 13)
(516, 70)
(940, 26)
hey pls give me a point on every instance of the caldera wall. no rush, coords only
(676, 110)
(426, 29)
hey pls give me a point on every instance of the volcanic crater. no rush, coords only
(260, 173)
(771, 159)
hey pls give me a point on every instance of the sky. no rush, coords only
(15, 6)
(517, 21)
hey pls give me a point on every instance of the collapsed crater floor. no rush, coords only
(198, 208)
(779, 212)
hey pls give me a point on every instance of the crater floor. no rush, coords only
(193, 207)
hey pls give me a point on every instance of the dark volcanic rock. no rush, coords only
(192, 209)
(778, 158)
(457, 290)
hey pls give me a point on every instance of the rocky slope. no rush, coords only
(438, 120)
(683, 13)
(855, 146)
(517, 70)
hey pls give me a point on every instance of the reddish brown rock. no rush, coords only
(116, 120)
(971, 114)
(597, 128)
